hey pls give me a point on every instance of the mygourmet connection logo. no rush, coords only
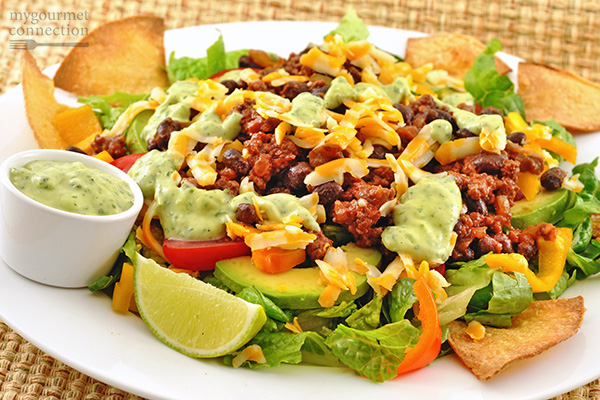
(46, 28)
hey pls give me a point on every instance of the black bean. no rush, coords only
(491, 110)
(231, 85)
(233, 159)
(553, 178)
(489, 163)
(464, 133)
(517, 137)
(476, 205)
(246, 213)
(407, 112)
(76, 150)
(293, 178)
(329, 192)
(292, 89)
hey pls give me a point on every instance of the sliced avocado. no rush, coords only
(548, 206)
(298, 288)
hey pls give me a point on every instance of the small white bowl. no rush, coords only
(56, 247)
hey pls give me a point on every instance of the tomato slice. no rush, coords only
(201, 255)
(124, 163)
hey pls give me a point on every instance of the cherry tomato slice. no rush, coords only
(124, 163)
(201, 255)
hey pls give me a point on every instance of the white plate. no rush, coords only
(80, 329)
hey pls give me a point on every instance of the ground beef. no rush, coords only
(251, 121)
(115, 146)
(318, 248)
(233, 187)
(323, 154)
(267, 158)
(381, 176)
(292, 89)
(358, 210)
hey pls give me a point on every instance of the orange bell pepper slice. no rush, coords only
(429, 344)
(274, 260)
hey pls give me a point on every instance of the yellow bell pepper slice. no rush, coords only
(104, 156)
(123, 293)
(551, 261)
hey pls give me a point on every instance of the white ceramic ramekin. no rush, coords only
(56, 247)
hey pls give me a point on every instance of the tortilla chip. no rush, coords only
(40, 104)
(542, 325)
(127, 55)
(452, 52)
(552, 93)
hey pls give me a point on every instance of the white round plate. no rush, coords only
(80, 328)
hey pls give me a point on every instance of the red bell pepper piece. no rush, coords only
(124, 163)
(201, 255)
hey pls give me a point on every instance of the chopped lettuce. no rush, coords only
(351, 27)
(128, 254)
(108, 108)
(279, 347)
(401, 299)
(497, 297)
(253, 295)
(368, 316)
(375, 354)
(488, 87)
(216, 60)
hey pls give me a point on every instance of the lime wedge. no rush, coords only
(193, 317)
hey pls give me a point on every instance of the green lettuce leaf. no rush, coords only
(351, 27)
(254, 296)
(286, 348)
(488, 87)
(374, 354)
(108, 108)
(368, 316)
(216, 60)
(401, 299)
(127, 254)
(507, 297)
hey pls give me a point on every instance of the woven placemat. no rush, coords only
(560, 33)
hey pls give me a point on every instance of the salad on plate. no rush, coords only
(357, 209)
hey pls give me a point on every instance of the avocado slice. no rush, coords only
(298, 288)
(548, 206)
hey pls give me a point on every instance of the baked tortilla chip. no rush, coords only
(542, 325)
(127, 55)
(552, 93)
(452, 52)
(40, 104)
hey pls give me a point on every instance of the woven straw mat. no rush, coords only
(564, 34)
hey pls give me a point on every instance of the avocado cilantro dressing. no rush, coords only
(441, 130)
(209, 126)
(424, 220)
(177, 105)
(307, 110)
(278, 206)
(151, 169)
(186, 212)
(73, 187)
(341, 91)
(455, 99)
